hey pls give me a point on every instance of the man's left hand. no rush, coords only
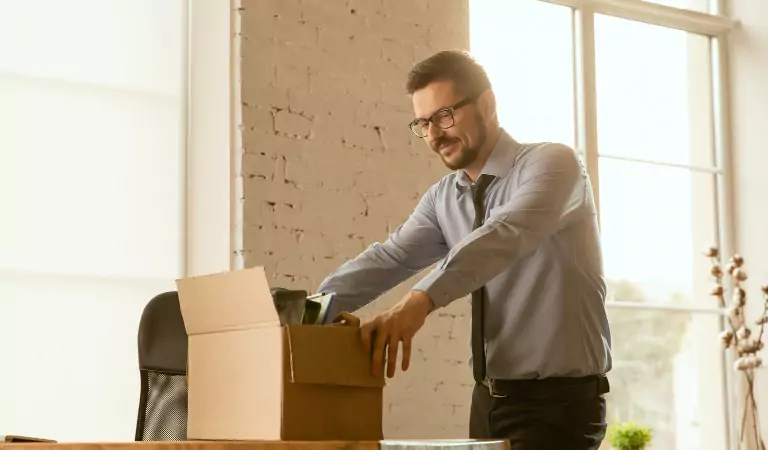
(399, 324)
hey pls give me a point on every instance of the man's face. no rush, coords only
(459, 145)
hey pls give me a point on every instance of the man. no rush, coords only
(530, 258)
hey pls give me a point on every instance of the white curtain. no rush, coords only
(91, 158)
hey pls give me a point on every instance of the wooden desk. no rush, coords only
(450, 444)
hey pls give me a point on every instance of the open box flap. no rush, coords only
(329, 355)
(226, 301)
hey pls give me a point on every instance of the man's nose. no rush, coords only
(434, 132)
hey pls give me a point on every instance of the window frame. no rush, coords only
(716, 27)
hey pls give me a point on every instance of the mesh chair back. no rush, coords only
(162, 365)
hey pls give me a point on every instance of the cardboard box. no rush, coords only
(251, 378)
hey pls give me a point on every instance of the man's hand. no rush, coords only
(398, 324)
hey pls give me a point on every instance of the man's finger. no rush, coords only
(406, 352)
(365, 335)
(394, 342)
(382, 336)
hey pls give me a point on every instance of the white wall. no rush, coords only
(749, 103)
(209, 196)
(91, 102)
(78, 264)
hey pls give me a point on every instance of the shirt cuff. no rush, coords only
(443, 288)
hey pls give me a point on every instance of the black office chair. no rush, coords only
(162, 366)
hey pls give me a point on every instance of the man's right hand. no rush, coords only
(385, 331)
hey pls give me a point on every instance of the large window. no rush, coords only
(92, 111)
(633, 87)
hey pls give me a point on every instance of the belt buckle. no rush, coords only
(489, 384)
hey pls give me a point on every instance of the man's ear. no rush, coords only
(486, 103)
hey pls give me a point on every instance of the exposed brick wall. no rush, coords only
(329, 165)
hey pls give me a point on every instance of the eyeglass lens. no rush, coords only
(441, 119)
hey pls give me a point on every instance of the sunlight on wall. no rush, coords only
(91, 122)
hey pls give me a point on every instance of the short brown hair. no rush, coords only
(468, 77)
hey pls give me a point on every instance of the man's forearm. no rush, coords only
(412, 247)
(361, 280)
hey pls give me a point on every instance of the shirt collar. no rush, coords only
(499, 163)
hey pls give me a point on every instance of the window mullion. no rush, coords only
(586, 94)
(724, 208)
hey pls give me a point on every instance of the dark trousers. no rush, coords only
(545, 414)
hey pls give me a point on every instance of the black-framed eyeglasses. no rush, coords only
(442, 118)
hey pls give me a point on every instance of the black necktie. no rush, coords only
(478, 296)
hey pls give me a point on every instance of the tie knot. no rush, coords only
(478, 191)
(482, 183)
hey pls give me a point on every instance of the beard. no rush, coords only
(463, 156)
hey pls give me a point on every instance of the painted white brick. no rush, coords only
(286, 9)
(397, 51)
(264, 96)
(365, 89)
(405, 29)
(386, 72)
(259, 118)
(292, 124)
(332, 39)
(362, 137)
(327, 84)
(412, 11)
(367, 8)
(335, 14)
(292, 79)
(260, 165)
(330, 166)
(297, 32)
(256, 140)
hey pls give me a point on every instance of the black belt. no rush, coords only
(577, 388)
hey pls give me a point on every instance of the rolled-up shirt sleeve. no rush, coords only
(549, 197)
(409, 249)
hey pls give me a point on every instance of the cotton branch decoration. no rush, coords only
(740, 338)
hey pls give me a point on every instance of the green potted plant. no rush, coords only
(629, 436)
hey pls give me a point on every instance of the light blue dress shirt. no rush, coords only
(538, 254)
